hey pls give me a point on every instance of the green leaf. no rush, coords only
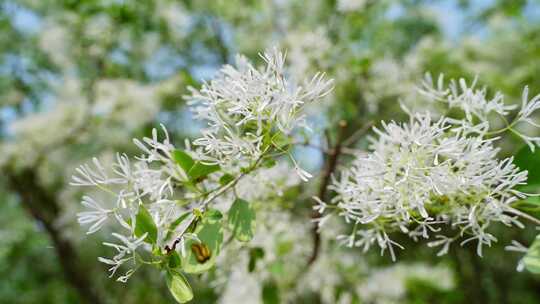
(179, 287)
(213, 215)
(270, 293)
(183, 159)
(174, 260)
(242, 220)
(200, 170)
(284, 247)
(532, 258)
(277, 268)
(210, 233)
(255, 254)
(145, 224)
(226, 179)
(280, 140)
(525, 159)
(269, 163)
(195, 170)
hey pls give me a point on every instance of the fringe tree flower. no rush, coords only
(162, 198)
(246, 107)
(142, 191)
(433, 178)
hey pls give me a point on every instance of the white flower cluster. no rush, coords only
(250, 113)
(433, 178)
(246, 107)
(146, 183)
(478, 108)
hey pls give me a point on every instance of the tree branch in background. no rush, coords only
(330, 165)
(44, 208)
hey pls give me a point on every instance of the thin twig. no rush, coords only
(357, 135)
(330, 167)
(312, 146)
(205, 204)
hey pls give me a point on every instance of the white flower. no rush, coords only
(125, 253)
(97, 216)
(146, 182)
(477, 107)
(245, 108)
(421, 175)
(472, 101)
(88, 176)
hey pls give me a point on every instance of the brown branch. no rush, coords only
(331, 162)
(357, 135)
(202, 207)
(44, 208)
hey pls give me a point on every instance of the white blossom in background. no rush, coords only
(390, 79)
(428, 173)
(347, 6)
(245, 107)
(54, 40)
(127, 102)
(241, 286)
(121, 106)
(38, 132)
(275, 231)
(389, 285)
(99, 29)
(175, 16)
(307, 50)
(267, 183)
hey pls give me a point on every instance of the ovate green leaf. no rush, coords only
(255, 254)
(532, 258)
(270, 293)
(174, 260)
(242, 220)
(225, 179)
(179, 287)
(201, 256)
(525, 159)
(145, 224)
(213, 215)
(183, 159)
(200, 170)
(195, 170)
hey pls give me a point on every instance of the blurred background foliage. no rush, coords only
(81, 78)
